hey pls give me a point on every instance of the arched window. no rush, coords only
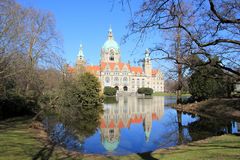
(111, 57)
(107, 79)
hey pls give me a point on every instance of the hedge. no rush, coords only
(146, 91)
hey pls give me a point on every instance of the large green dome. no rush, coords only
(110, 43)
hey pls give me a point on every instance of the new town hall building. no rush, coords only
(113, 72)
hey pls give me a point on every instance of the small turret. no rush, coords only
(80, 60)
(80, 55)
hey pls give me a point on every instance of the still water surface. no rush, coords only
(132, 125)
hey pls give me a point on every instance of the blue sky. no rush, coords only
(87, 22)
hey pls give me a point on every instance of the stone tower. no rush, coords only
(110, 50)
(147, 64)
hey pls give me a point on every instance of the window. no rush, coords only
(111, 58)
(116, 79)
(138, 81)
(125, 79)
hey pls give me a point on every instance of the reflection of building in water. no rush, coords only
(128, 110)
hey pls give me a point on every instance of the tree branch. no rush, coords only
(222, 19)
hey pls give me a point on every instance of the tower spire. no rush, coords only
(110, 34)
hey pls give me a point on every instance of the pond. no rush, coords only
(131, 125)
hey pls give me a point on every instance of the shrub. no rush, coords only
(13, 105)
(145, 91)
(109, 91)
(82, 91)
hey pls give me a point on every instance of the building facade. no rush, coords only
(114, 73)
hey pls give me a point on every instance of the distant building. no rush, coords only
(113, 72)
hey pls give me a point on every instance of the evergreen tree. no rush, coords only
(84, 90)
(209, 82)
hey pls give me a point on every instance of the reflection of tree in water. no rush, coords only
(201, 128)
(205, 127)
(82, 121)
(180, 128)
(175, 132)
(73, 125)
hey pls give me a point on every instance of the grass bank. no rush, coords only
(217, 108)
(18, 141)
(168, 94)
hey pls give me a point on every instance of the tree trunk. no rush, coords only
(179, 67)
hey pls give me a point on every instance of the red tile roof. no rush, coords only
(112, 65)
(71, 69)
(137, 70)
(94, 69)
(154, 72)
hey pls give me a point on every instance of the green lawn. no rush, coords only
(226, 147)
(15, 140)
(18, 142)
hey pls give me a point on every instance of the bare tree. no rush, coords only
(212, 29)
(28, 40)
